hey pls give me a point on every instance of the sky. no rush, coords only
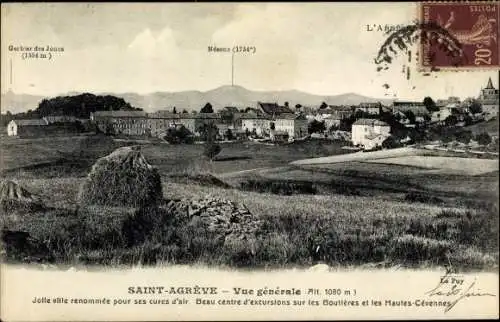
(320, 48)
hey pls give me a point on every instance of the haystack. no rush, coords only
(15, 197)
(123, 178)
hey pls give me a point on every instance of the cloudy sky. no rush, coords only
(321, 48)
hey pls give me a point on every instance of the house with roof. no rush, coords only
(401, 109)
(293, 124)
(25, 127)
(370, 108)
(258, 124)
(160, 121)
(122, 122)
(370, 133)
(332, 121)
(445, 111)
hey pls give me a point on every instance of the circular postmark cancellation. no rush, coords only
(449, 36)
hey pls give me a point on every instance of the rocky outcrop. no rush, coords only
(223, 217)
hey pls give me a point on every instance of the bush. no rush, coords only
(391, 143)
(229, 135)
(483, 138)
(316, 127)
(179, 135)
(211, 150)
(464, 136)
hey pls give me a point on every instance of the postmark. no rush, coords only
(410, 38)
(474, 25)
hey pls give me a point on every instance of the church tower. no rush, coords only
(488, 97)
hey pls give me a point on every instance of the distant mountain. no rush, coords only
(17, 103)
(194, 100)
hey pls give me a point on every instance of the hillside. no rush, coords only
(193, 100)
(490, 127)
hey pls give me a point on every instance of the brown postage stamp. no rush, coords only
(473, 25)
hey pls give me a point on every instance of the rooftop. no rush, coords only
(32, 122)
(290, 116)
(120, 114)
(274, 108)
(371, 122)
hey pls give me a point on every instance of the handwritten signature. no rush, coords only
(452, 285)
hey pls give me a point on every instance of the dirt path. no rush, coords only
(237, 173)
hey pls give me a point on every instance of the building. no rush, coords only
(488, 97)
(273, 109)
(370, 133)
(254, 123)
(160, 121)
(122, 122)
(332, 121)
(446, 111)
(401, 109)
(25, 127)
(294, 125)
(370, 108)
(449, 100)
(417, 108)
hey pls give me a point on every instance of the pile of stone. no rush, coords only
(223, 217)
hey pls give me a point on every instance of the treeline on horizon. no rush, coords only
(79, 106)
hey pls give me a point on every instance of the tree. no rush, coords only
(229, 135)
(391, 143)
(316, 127)
(298, 106)
(177, 135)
(208, 131)
(483, 138)
(287, 104)
(207, 108)
(272, 126)
(468, 120)
(174, 110)
(184, 111)
(211, 150)
(323, 106)
(430, 105)
(475, 107)
(410, 116)
(464, 136)
(451, 120)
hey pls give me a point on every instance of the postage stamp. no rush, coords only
(474, 25)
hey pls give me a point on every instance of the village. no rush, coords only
(366, 125)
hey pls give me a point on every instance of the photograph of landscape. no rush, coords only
(240, 135)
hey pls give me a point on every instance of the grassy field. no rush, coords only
(358, 213)
(459, 166)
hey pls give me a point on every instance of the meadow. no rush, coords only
(358, 213)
